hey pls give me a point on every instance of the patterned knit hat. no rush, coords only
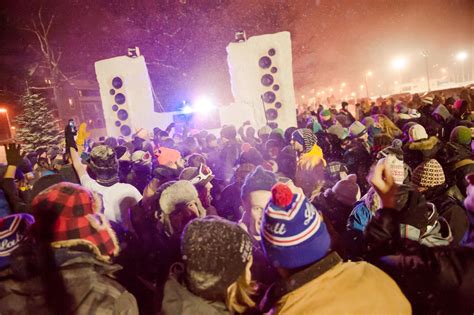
(428, 174)
(461, 135)
(104, 165)
(304, 137)
(417, 132)
(357, 129)
(215, 252)
(294, 233)
(336, 171)
(66, 215)
(13, 229)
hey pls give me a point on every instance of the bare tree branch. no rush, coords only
(171, 35)
(158, 63)
(40, 87)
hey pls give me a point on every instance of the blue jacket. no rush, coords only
(359, 217)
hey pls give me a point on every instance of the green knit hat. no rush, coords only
(325, 115)
(461, 135)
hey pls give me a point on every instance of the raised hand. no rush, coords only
(13, 153)
(382, 180)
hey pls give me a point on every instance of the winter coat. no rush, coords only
(228, 206)
(359, 217)
(345, 118)
(418, 152)
(358, 161)
(450, 209)
(88, 281)
(387, 126)
(457, 162)
(468, 239)
(435, 279)
(333, 210)
(228, 156)
(179, 300)
(331, 286)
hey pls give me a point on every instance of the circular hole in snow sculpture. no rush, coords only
(269, 97)
(117, 82)
(122, 114)
(119, 98)
(271, 114)
(125, 130)
(265, 62)
(267, 79)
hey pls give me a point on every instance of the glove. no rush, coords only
(13, 154)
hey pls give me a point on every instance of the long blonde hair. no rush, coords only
(239, 293)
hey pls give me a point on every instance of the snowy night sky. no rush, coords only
(184, 40)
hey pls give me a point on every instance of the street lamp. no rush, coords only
(425, 55)
(367, 74)
(4, 111)
(399, 64)
(461, 56)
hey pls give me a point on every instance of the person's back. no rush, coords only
(88, 282)
(118, 199)
(346, 288)
(66, 265)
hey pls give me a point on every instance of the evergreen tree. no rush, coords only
(37, 127)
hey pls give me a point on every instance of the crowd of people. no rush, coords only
(365, 211)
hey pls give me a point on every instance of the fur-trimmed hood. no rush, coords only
(424, 145)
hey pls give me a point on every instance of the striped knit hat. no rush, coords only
(428, 174)
(294, 233)
(13, 231)
(304, 137)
